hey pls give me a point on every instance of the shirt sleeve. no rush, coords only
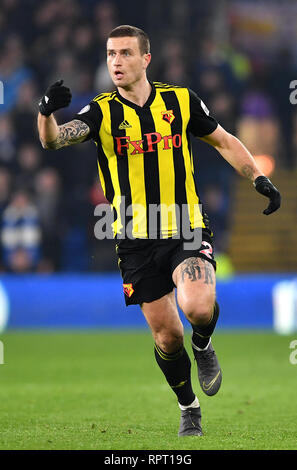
(200, 123)
(91, 114)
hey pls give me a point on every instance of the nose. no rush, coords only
(117, 59)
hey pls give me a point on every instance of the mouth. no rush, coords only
(118, 74)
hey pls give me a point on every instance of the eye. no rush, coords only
(126, 53)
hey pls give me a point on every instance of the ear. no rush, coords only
(147, 59)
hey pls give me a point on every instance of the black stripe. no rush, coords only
(103, 163)
(151, 167)
(191, 157)
(117, 117)
(204, 215)
(102, 98)
(97, 96)
(171, 102)
(166, 85)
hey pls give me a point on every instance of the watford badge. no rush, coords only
(128, 289)
(168, 116)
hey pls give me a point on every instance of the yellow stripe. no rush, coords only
(168, 357)
(136, 175)
(165, 85)
(181, 384)
(166, 169)
(108, 149)
(160, 353)
(104, 95)
(209, 386)
(101, 178)
(196, 218)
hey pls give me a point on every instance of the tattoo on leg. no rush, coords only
(191, 268)
(208, 274)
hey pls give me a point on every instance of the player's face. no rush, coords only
(126, 64)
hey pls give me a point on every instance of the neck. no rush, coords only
(138, 92)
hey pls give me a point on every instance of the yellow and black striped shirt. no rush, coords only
(145, 158)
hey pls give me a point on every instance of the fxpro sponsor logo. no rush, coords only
(148, 143)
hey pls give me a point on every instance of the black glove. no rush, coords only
(264, 186)
(56, 97)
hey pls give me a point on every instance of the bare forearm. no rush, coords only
(235, 153)
(54, 137)
(48, 129)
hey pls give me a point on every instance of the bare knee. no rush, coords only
(198, 312)
(169, 340)
(164, 321)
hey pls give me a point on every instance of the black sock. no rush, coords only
(201, 334)
(177, 369)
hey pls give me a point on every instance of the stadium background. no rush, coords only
(240, 57)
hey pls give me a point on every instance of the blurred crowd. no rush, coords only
(47, 199)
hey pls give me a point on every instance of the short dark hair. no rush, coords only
(132, 31)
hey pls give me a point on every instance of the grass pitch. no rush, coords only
(103, 390)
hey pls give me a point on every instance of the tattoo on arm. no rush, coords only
(197, 268)
(70, 133)
(248, 171)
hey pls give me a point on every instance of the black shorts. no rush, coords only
(147, 265)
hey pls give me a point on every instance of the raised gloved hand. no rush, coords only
(264, 186)
(56, 96)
